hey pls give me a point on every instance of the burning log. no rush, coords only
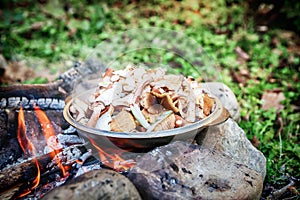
(15, 171)
(21, 173)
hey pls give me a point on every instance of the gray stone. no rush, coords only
(226, 96)
(231, 140)
(181, 170)
(96, 184)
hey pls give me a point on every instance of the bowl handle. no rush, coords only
(223, 116)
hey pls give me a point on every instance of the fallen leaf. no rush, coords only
(255, 141)
(272, 99)
(242, 55)
(241, 76)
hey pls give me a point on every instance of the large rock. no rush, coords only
(97, 184)
(231, 140)
(228, 137)
(226, 96)
(184, 171)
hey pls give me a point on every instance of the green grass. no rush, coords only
(60, 33)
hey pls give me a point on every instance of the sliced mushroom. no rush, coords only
(156, 73)
(186, 102)
(138, 74)
(128, 84)
(104, 84)
(199, 113)
(150, 117)
(106, 96)
(144, 100)
(166, 121)
(166, 101)
(139, 90)
(94, 117)
(123, 72)
(187, 108)
(208, 104)
(80, 108)
(124, 101)
(104, 120)
(182, 106)
(115, 78)
(199, 100)
(155, 109)
(170, 81)
(79, 104)
(191, 110)
(148, 100)
(123, 122)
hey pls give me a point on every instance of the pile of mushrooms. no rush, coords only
(138, 100)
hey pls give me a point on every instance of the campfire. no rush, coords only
(61, 166)
(43, 156)
(49, 152)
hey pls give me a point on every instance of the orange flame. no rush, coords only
(22, 138)
(35, 182)
(113, 160)
(49, 132)
(28, 149)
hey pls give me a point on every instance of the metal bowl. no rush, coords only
(144, 140)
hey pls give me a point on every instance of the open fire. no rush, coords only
(61, 166)
(30, 150)
(50, 137)
(40, 151)
(112, 158)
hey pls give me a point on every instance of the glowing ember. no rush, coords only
(113, 160)
(49, 134)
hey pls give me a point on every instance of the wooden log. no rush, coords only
(15, 174)
(49, 96)
(31, 91)
(21, 172)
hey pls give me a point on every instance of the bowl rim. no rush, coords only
(205, 122)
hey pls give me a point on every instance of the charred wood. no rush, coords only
(10, 153)
(23, 172)
(43, 103)
(90, 68)
(32, 91)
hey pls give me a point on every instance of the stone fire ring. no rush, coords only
(222, 165)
